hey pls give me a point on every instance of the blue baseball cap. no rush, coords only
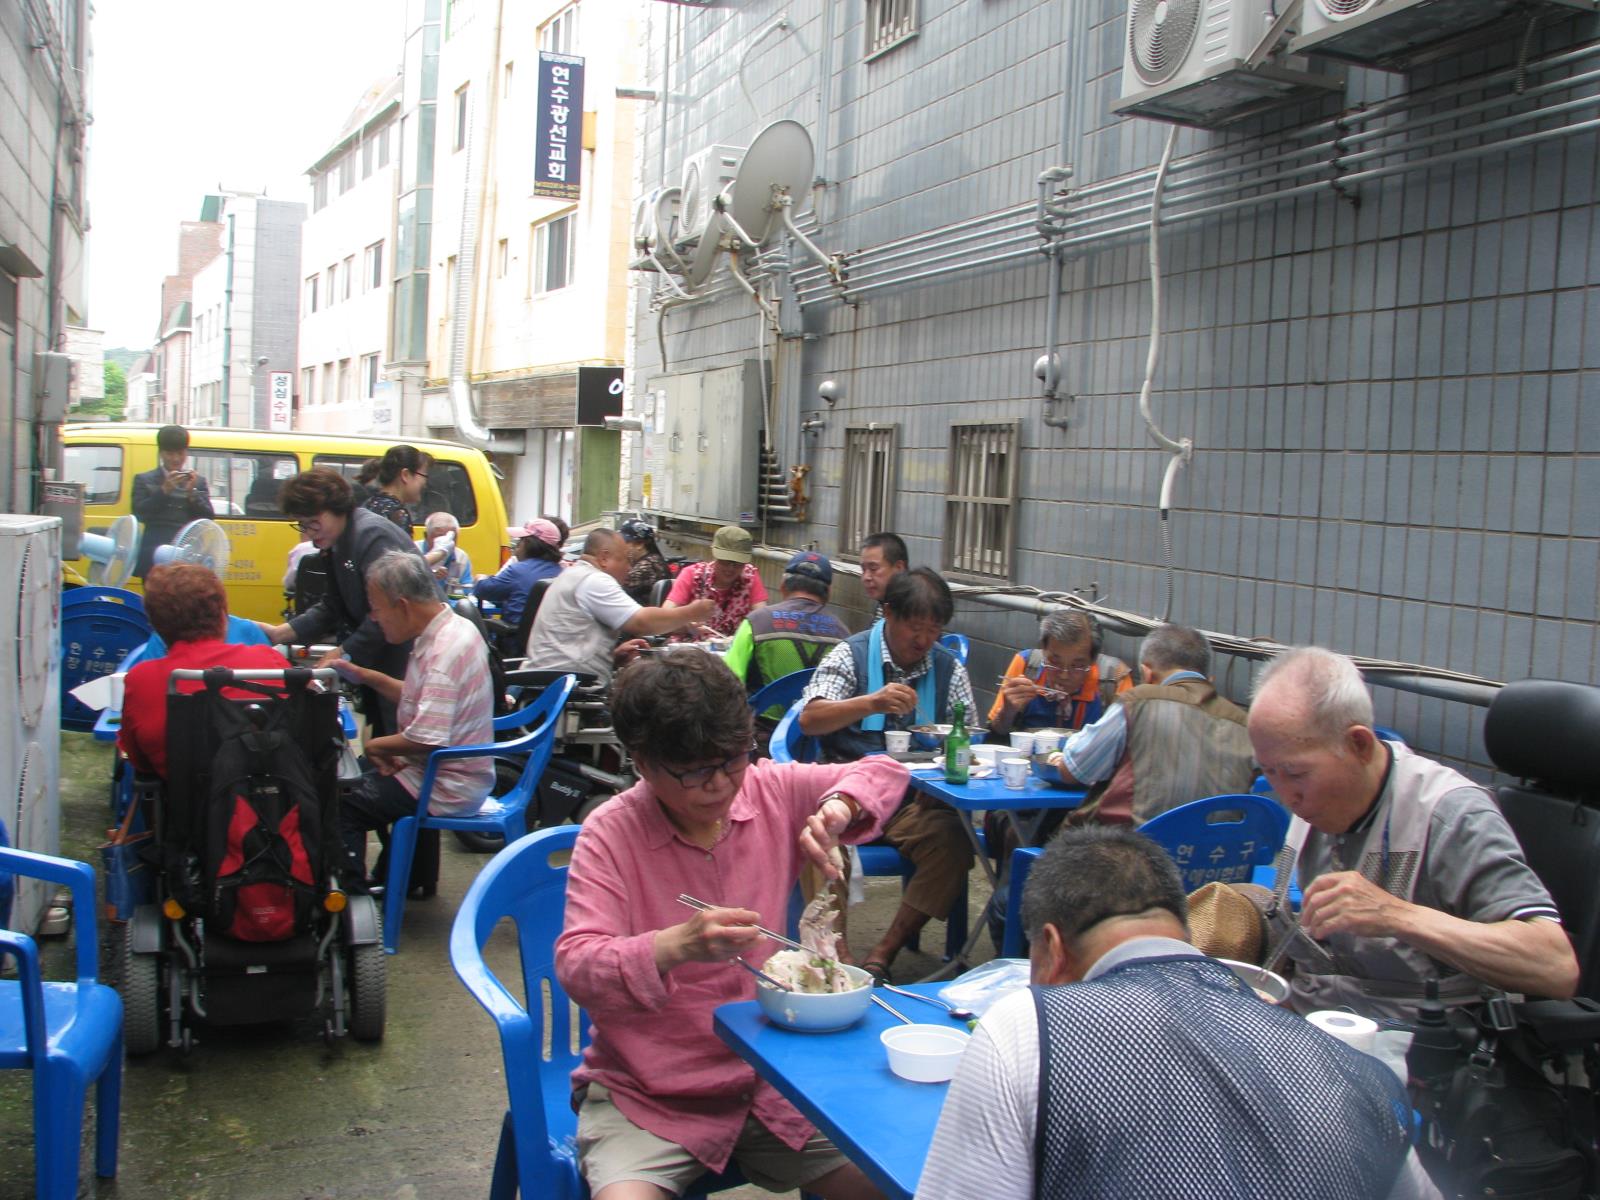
(812, 565)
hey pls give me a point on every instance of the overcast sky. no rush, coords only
(188, 95)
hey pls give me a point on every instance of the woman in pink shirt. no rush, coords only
(662, 1099)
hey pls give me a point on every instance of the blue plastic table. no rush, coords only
(842, 1083)
(991, 794)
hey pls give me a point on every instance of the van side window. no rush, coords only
(98, 468)
(449, 488)
(244, 486)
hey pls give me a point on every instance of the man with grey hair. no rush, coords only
(1409, 871)
(445, 700)
(440, 546)
(1066, 682)
(1054, 1094)
(1170, 740)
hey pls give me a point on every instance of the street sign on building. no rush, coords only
(558, 140)
(599, 394)
(280, 401)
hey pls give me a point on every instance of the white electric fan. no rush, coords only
(202, 542)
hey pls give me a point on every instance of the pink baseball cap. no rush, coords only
(536, 528)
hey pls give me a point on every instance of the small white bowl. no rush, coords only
(924, 1053)
(989, 754)
(1269, 985)
(817, 1012)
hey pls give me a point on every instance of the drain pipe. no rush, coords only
(1048, 367)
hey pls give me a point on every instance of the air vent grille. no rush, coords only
(1161, 34)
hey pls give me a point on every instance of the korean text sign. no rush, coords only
(558, 143)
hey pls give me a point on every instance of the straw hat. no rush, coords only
(1226, 920)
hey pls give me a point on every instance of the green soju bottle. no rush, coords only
(958, 748)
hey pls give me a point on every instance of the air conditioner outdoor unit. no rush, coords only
(1201, 62)
(705, 174)
(1387, 33)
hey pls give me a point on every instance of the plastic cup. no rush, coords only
(896, 741)
(1015, 772)
(1022, 743)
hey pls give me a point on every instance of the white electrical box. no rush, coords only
(30, 698)
(702, 444)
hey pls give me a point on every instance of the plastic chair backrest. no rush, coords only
(1388, 735)
(785, 690)
(1015, 942)
(789, 744)
(7, 886)
(530, 610)
(541, 719)
(527, 882)
(1544, 731)
(1220, 839)
(658, 592)
(957, 644)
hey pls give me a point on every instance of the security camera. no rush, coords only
(262, 361)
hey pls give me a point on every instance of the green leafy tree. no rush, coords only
(115, 402)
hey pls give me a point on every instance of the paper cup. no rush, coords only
(1015, 772)
(1046, 743)
(116, 690)
(1022, 743)
(896, 741)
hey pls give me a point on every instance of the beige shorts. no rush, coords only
(612, 1148)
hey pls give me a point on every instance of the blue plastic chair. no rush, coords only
(957, 644)
(68, 1034)
(527, 883)
(789, 744)
(784, 691)
(505, 815)
(7, 887)
(1221, 839)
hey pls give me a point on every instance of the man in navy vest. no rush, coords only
(1136, 1066)
(791, 633)
(893, 676)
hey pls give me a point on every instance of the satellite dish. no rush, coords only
(704, 256)
(113, 552)
(644, 221)
(778, 162)
(201, 542)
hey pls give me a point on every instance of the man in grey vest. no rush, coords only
(1168, 741)
(1408, 869)
(586, 611)
(1136, 1066)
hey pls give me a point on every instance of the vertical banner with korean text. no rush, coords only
(558, 143)
(280, 401)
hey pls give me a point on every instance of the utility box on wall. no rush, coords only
(702, 444)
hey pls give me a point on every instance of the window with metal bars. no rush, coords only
(869, 452)
(980, 503)
(889, 22)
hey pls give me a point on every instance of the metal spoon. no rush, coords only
(960, 1014)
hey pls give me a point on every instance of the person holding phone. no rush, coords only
(168, 497)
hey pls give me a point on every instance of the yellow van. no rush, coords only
(244, 469)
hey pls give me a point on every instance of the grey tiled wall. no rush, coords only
(1395, 407)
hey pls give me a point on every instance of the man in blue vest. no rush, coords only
(1136, 1066)
(893, 676)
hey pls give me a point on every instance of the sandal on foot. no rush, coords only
(878, 970)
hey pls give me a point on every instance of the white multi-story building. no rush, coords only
(529, 290)
(244, 313)
(346, 247)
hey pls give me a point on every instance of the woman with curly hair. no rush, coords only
(188, 607)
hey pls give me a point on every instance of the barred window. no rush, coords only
(889, 22)
(869, 454)
(980, 504)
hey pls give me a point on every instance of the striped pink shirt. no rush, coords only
(447, 700)
(653, 1045)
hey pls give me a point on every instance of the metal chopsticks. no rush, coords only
(690, 901)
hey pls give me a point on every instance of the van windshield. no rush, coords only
(449, 488)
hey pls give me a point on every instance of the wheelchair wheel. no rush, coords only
(368, 988)
(141, 999)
